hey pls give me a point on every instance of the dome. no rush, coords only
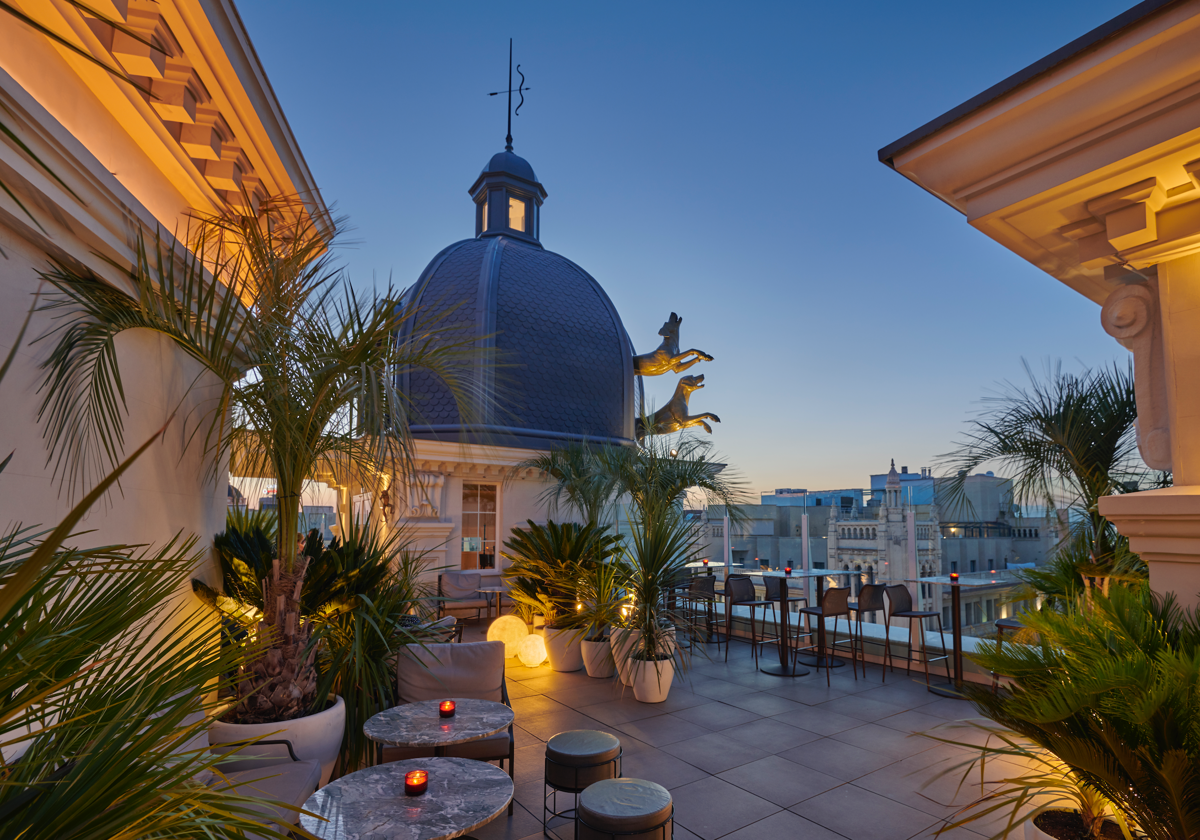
(564, 363)
(509, 164)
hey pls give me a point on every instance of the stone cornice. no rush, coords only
(1089, 166)
(1162, 525)
(212, 128)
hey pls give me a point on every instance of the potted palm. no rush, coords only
(305, 373)
(660, 549)
(554, 558)
(602, 596)
(1109, 690)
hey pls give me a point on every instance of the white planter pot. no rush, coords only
(623, 642)
(563, 649)
(539, 620)
(598, 658)
(1032, 832)
(317, 737)
(652, 680)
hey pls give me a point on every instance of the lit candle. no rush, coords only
(416, 782)
(705, 561)
(446, 709)
(953, 578)
(787, 570)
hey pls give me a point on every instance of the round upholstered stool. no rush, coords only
(575, 760)
(627, 808)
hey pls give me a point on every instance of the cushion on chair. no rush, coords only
(461, 585)
(625, 806)
(292, 782)
(491, 748)
(472, 605)
(473, 670)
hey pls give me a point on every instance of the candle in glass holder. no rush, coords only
(787, 570)
(446, 709)
(705, 561)
(416, 782)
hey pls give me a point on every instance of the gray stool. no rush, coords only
(627, 808)
(575, 760)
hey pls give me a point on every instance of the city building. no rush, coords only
(974, 533)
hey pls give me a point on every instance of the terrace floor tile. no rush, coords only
(711, 808)
(714, 752)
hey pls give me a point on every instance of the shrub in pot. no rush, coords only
(357, 596)
(602, 600)
(550, 561)
(1109, 690)
(660, 549)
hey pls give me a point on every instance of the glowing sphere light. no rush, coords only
(510, 630)
(533, 651)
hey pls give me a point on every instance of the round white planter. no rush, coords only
(652, 680)
(622, 641)
(598, 658)
(317, 737)
(1032, 832)
(563, 649)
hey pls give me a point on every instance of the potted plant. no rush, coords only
(294, 353)
(659, 551)
(1109, 690)
(554, 558)
(1067, 808)
(602, 596)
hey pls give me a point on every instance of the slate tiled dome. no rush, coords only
(564, 361)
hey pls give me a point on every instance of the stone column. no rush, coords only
(1160, 322)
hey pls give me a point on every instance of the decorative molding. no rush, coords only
(1131, 316)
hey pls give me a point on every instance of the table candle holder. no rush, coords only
(787, 570)
(416, 782)
(446, 708)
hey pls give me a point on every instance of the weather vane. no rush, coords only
(519, 90)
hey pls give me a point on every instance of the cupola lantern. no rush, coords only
(508, 199)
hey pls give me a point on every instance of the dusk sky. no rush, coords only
(717, 160)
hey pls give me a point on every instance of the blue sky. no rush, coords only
(718, 160)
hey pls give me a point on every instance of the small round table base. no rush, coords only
(945, 689)
(781, 671)
(819, 661)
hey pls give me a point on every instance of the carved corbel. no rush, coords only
(1131, 316)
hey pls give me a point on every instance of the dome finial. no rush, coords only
(519, 90)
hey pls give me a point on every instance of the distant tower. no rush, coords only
(892, 488)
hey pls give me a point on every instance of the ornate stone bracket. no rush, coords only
(1131, 316)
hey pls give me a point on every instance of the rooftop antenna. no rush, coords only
(519, 90)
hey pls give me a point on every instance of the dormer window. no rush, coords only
(516, 214)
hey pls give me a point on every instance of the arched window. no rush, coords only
(1035, 533)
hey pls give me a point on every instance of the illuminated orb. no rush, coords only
(510, 630)
(533, 651)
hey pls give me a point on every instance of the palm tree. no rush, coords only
(655, 475)
(1067, 440)
(307, 370)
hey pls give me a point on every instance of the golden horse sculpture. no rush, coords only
(673, 416)
(667, 357)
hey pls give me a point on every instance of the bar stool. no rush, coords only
(835, 603)
(632, 809)
(739, 592)
(900, 605)
(574, 760)
(870, 599)
(699, 602)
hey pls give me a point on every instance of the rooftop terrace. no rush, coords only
(749, 756)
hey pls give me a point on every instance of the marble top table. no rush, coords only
(419, 725)
(370, 804)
